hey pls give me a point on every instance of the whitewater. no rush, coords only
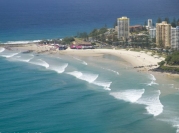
(77, 89)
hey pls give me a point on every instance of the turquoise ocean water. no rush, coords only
(43, 93)
(40, 93)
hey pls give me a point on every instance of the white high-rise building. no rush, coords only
(123, 27)
(152, 32)
(175, 37)
(150, 23)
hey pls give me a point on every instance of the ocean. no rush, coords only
(31, 20)
(47, 93)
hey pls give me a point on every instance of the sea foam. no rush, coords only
(59, 69)
(2, 49)
(22, 42)
(105, 85)
(153, 103)
(89, 77)
(40, 62)
(9, 55)
(83, 62)
(152, 77)
(152, 82)
(23, 59)
(128, 95)
(111, 70)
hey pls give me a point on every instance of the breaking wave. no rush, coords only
(2, 49)
(128, 95)
(152, 83)
(111, 70)
(24, 60)
(106, 85)
(40, 62)
(153, 103)
(10, 55)
(59, 69)
(84, 76)
(91, 78)
(22, 42)
(153, 79)
(83, 62)
(173, 121)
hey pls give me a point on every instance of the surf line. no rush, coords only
(90, 78)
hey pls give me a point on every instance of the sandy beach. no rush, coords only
(140, 60)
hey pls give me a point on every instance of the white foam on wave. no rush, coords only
(152, 82)
(128, 95)
(77, 59)
(83, 62)
(153, 103)
(152, 77)
(111, 70)
(24, 60)
(89, 77)
(2, 49)
(40, 62)
(173, 121)
(22, 42)
(177, 126)
(105, 85)
(10, 55)
(59, 69)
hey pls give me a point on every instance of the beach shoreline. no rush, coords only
(140, 61)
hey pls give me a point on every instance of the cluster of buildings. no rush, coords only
(165, 34)
(82, 46)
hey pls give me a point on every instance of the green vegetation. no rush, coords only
(169, 69)
(173, 23)
(83, 35)
(171, 63)
(68, 40)
(173, 59)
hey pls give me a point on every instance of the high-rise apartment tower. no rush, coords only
(163, 34)
(123, 27)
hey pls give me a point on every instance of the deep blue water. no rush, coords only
(93, 94)
(45, 19)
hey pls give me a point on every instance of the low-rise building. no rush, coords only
(152, 32)
(136, 28)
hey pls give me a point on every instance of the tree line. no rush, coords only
(174, 22)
